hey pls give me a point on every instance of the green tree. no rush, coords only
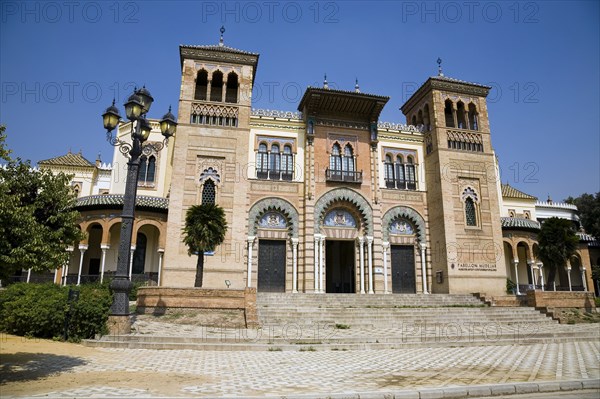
(37, 219)
(204, 230)
(589, 212)
(557, 243)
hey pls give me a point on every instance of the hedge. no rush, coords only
(39, 310)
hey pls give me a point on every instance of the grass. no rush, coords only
(308, 343)
(308, 349)
(342, 326)
(275, 349)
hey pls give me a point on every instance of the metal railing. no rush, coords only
(345, 176)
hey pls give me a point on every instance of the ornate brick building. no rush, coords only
(326, 199)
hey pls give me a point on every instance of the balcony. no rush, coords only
(274, 174)
(345, 176)
(401, 184)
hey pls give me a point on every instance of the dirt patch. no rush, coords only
(36, 366)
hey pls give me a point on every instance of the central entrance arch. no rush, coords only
(343, 219)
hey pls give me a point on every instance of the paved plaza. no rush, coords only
(104, 372)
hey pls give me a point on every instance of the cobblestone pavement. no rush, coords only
(213, 373)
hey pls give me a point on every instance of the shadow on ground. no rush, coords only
(24, 366)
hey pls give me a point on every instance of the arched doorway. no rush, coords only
(404, 234)
(273, 225)
(343, 219)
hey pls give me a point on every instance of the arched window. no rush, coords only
(275, 163)
(389, 172)
(262, 162)
(414, 121)
(287, 163)
(151, 171)
(470, 214)
(348, 162)
(469, 196)
(216, 87)
(142, 170)
(231, 93)
(147, 170)
(426, 118)
(473, 120)
(335, 161)
(420, 118)
(209, 193)
(201, 85)
(400, 175)
(139, 255)
(460, 115)
(449, 113)
(411, 179)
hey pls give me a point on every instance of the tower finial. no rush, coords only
(439, 62)
(325, 84)
(222, 30)
(356, 88)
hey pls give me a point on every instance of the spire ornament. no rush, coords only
(439, 62)
(356, 87)
(222, 30)
(325, 84)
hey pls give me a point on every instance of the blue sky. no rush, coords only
(61, 63)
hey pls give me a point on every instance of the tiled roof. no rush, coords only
(453, 80)
(69, 159)
(213, 47)
(587, 238)
(510, 192)
(519, 223)
(115, 201)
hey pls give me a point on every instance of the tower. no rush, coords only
(462, 196)
(211, 151)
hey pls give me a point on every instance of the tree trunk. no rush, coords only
(199, 270)
(551, 277)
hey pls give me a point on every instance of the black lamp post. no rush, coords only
(136, 108)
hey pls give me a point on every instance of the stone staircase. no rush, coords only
(309, 322)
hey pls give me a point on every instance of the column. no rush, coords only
(161, 252)
(370, 262)
(316, 271)
(82, 249)
(104, 248)
(569, 274)
(583, 278)
(516, 265)
(424, 267)
(250, 243)
(28, 274)
(531, 266)
(131, 261)
(66, 268)
(294, 265)
(55, 275)
(540, 267)
(321, 263)
(361, 247)
(385, 278)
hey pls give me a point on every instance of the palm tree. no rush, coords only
(557, 244)
(205, 228)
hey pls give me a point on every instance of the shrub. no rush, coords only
(511, 287)
(39, 310)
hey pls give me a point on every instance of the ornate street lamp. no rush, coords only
(136, 108)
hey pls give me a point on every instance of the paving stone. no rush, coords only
(431, 393)
(503, 389)
(570, 385)
(549, 386)
(456, 392)
(528, 387)
(591, 384)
